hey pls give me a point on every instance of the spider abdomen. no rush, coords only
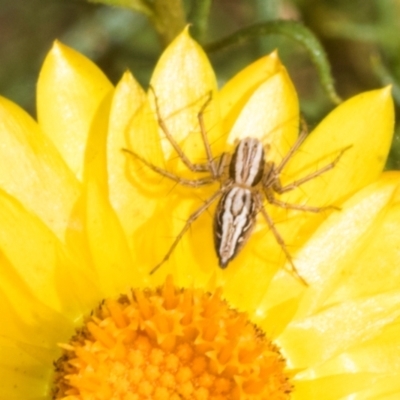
(233, 222)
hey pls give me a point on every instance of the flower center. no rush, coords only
(171, 344)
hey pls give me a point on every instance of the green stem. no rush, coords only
(137, 5)
(295, 31)
(168, 19)
(199, 17)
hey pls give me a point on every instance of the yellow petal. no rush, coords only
(142, 190)
(386, 386)
(364, 122)
(380, 355)
(317, 338)
(134, 190)
(332, 251)
(42, 291)
(237, 91)
(107, 242)
(70, 89)
(336, 244)
(183, 81)
(32, 169)
(333, 387)
(271, 115)
(375, 268)
(36, 263)
(21, 373)
(22, 311)
(127, 201)
(41, 279)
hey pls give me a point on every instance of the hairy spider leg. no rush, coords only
(194, 167)
(280, 241)
(187, 225)
(169, 175)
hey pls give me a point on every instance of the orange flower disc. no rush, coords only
(170, 343)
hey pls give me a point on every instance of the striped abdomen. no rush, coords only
(233, 222)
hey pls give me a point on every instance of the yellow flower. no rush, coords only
(82, 221)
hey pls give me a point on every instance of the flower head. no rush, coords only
(82, 223)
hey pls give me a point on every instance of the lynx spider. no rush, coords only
(250, 180)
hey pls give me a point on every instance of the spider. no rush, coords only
(246, 178)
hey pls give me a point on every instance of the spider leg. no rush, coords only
(300, 207)
(189, 222)
(281, 242)
(311, 176)
(192, 166)
(169, 175)
(295, 147)
(200, 116)
(224, 161)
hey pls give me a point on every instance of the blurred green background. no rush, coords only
(361, 39)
